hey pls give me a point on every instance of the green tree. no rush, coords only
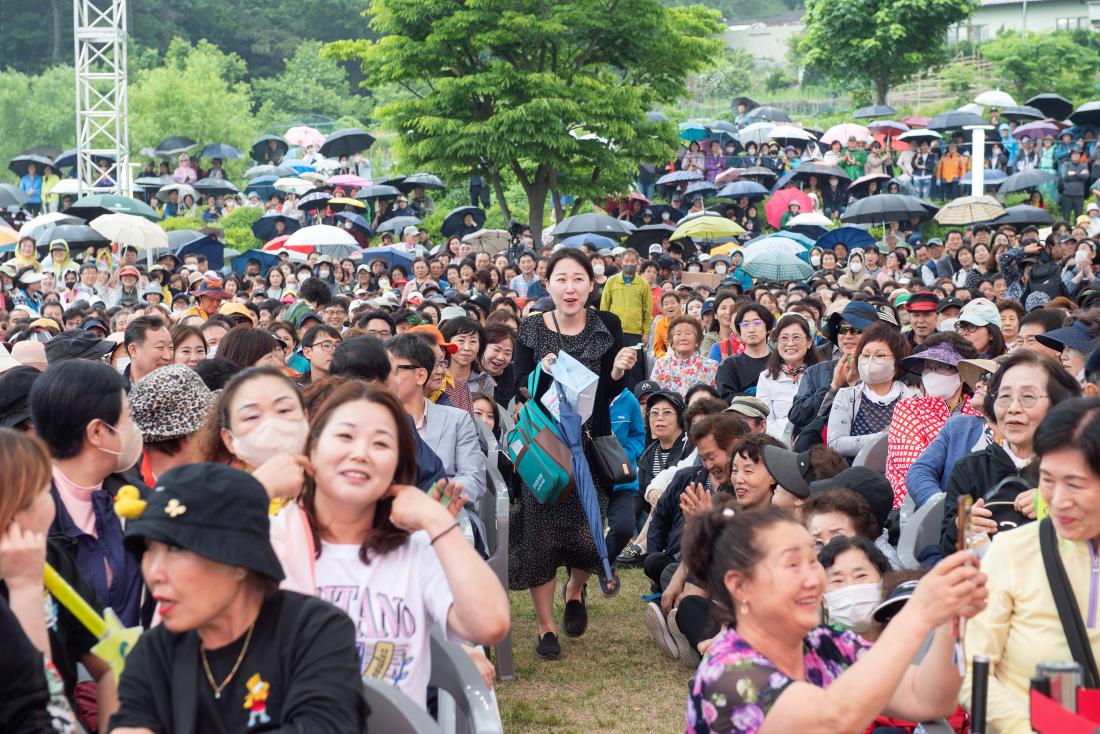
(877, 42)
(311, 83)
(1044, 62)
(36, 110)
(729, 78)
(553, 94)
(198, 92)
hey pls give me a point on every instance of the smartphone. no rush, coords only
(964, 523)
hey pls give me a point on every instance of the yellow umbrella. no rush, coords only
(8, 235)
(345, 201)
(706, 227)
(726, 249)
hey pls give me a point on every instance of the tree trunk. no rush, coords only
(498, 189)
(559, 210)
(55, 12)
(537, 191)
(882, 86)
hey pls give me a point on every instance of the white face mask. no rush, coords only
(856, 266)
(941, 386)
(597, 268)
(852, 606)
(129, 447)
(720, 268)
(815, 260)
(121, 364)
(383, 283)
(875, 373)
(272, 437)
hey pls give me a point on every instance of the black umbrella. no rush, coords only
(872, 111)
(220, 150)
(49, 151)
(1023, 215)
(453, 225)
(260, 144)
(346, 142)
(882, 208)
(1022, 112)
(749, 102)
(427, 180)
(647, 235)
(954, 120)
(658, 211)
(264, 227)
(79, 237)
(394, 181)
(592, 223)
(378, 191)
(768, 114)
(396, 224)
(11, 196)
(214, 186)
(68, 159)
(737, 189)
(1086, 114)
(1024, 180)
(314, 200)
(20, 163)
(174, 145)
(153, 183)
(700, 188)
(755, 172)
(1052, 105)
(820, 170)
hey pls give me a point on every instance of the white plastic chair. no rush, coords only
(393, 712)
(921, 530)
(466, 706)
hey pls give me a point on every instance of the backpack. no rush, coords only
(1046, 277)
(536, 449)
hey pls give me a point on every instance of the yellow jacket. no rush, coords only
(632, 303)
(1020, 627)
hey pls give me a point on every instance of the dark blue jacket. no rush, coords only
(812, 389)
(666, 526)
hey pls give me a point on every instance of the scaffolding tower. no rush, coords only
(102, 128)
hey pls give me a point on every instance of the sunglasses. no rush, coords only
(845, 329)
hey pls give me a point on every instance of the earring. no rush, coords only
(744, 607)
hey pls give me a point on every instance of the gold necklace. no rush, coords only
(240, 658)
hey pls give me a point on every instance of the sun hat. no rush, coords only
(170, 402)
(409, 230)
(943, 353)
(237, 309)
(434, 332)
(790, 469)
(749, 407)
(212, 510)
(30, 276)
(211, 286)
(129, 270)
(1075, 336)
(971, 370)
(980, 312)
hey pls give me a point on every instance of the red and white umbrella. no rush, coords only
(841, 133)
(304, 136)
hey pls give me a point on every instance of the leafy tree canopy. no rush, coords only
(1044, 62)
(553, 94)
(310, 83)
(877, 42)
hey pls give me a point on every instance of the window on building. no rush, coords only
(1071, 24)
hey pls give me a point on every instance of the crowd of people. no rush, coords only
(280, 475)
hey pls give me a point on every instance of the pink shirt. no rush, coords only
(77, 501)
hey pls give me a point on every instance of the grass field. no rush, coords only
(612, 680)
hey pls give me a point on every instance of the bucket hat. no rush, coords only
(170, 402)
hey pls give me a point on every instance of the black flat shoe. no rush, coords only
(575, 619)
(548, 648)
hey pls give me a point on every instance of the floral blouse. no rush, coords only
(735, 687)
(678, 375)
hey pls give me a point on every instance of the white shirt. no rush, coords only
(393, 601)
(778, 393)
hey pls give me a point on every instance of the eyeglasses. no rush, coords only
(963, 328)
(796, 339)
(408, 367)
(380, 333)
(1027, 400)
(442, 363)
(753, 322)
(845, 329)
(876, 359)
(323, 346)
(661, 413)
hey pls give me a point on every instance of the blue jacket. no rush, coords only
(931, 473)
(629, 428)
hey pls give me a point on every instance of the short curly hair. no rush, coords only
(846, 502)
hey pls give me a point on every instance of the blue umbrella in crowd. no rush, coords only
(389, 255)
(853, 238)
(220, 150)
(700, 188)
(573, 433)
(192, 242)
(358, 222)
(266, 260)
(737, 189)
(693, 131)
(263, 186)
(596, 240)
(264, 227)
(396, 224)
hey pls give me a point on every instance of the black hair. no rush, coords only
(312, 332)
(758, 309)
(775, 361)
(1072, 423)
(569, 253)
(841, 543)
(465, 325)
(724, 540)
(315, 291)
(244, 346)
(138, 329)
(414, 348)
(70, 395)
(369, 316)
(1061, 385)
(1049, 318)
(698, 388)
(216, 371)
(362, 358)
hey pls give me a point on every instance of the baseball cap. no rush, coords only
(871, 485)
(791, 470)
(749, 407)
(237, 309)
(949, 303)
(409, 230)
(655, 249)
(922, 301)
(452, 312)
(434, 332)
(980, 312)
(645, 388)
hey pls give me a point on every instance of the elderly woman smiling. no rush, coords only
(768, 671)
(683, 366)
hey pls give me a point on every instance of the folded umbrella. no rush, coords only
(775, 265)
(454, 223)
(970, 210)
(491, 241)
(346, 142)
(220, 150)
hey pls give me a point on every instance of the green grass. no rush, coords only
(612, 680)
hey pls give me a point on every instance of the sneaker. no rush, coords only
(658, 630)
(686, 652)
(549, 648)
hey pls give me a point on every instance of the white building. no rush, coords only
(766, 39)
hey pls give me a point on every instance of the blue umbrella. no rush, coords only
(267, 260)
(783, 180)
(297, 164)
(221, 150)
(263, 186)
(572, 434)
(596, 240)
(390, 255)
(992, 176)
(737, 189)
(853, 238)
(264, 227)
(693, 131)
(357, 221)
(192, 242)
(702, 188)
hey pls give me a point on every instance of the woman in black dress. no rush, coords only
(542, 537)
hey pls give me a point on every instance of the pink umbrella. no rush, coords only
(916, 120)
(777, 205)
(890, 128)
(304, 136)
(1036, 130)
(349, 179)
(861, 183)
(635, 196)
(726, 176)
(843, 131)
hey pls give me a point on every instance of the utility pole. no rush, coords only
(102, 127)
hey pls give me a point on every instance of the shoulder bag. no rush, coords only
(536, 449)
(1068, 612)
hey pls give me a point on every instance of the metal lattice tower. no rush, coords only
(102, 128)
